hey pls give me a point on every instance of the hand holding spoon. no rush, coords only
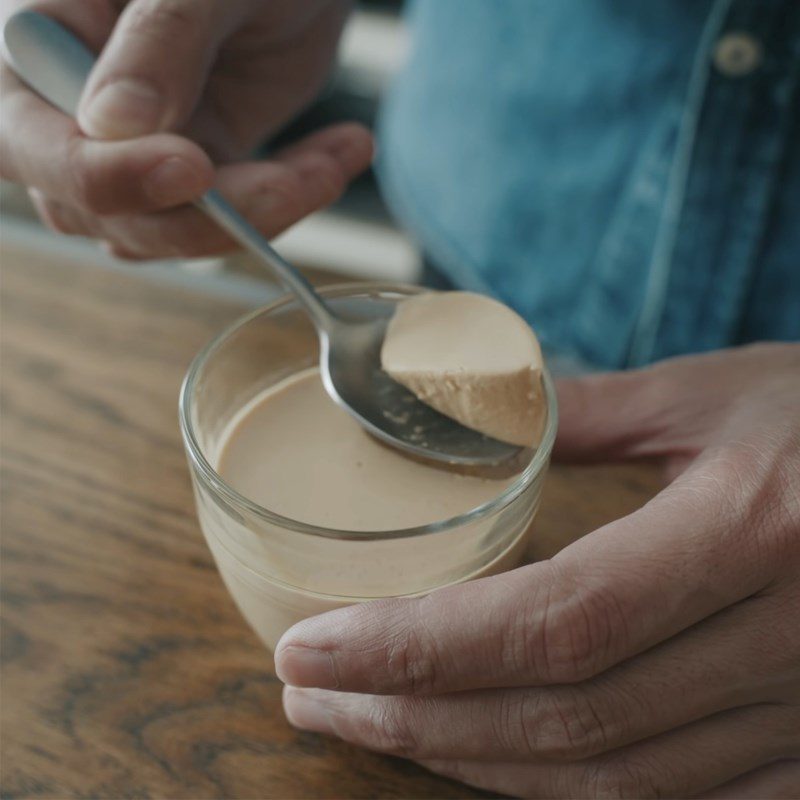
(56, 64)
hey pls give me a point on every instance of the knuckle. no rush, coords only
(753, 481)
(581, 624)
(388, 728)
(567, 724)
(782, 501)
(736, 463)
(515, 726)
(327, 175)
(521, 633)
(87, 190)
(281, 197)
(162, 19)
(739, 471)
(412, 661)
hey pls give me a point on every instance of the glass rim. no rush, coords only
(235, 499)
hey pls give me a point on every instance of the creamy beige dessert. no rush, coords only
(294, 451)
(471, 358)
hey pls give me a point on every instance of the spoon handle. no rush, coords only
(56, 64)
(227, 217)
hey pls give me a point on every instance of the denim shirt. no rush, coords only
(607, 167)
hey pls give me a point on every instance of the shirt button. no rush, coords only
(737, 54)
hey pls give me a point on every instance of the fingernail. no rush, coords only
(304, 709)
(172, 181)
(123, 109)
(305, 666)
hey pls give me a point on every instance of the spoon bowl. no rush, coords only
(350, 365)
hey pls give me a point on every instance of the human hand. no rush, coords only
(182, 92)
(657, 656)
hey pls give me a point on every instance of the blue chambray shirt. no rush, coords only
(603, 167)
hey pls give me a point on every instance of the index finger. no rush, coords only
(44, 149)
(618, 591)
(272, 194)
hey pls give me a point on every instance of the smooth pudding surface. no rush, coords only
(293, 451)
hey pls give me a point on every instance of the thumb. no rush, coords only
(153, 68)
(617, 415)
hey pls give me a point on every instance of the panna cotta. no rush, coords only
(471, 358)
(294, 451)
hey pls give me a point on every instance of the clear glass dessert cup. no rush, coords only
(280, 570)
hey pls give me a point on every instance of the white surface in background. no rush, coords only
(324, 241)
(372, 48)
(343, 244)
(29, 236)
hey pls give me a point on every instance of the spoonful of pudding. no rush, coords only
(471, 358)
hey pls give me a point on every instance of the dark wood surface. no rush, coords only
(126, 669)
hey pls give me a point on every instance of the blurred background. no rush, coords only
(354, 239)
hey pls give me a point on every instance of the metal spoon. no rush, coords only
(55, 63)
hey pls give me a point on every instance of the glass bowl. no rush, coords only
(281, 570)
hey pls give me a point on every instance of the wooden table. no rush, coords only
(126, 669)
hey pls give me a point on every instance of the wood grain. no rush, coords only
(126, 670)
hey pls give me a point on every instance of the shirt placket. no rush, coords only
(703, 266)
